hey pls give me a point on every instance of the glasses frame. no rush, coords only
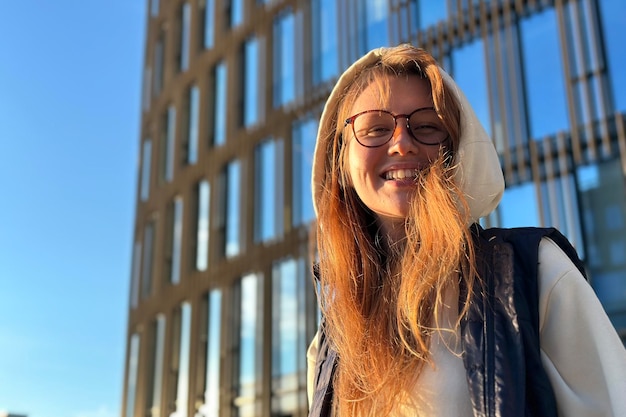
(350, 121)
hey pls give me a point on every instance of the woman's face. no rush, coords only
(384, 177)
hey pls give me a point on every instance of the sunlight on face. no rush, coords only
(383, 177)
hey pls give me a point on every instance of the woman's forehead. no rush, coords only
(387, 90)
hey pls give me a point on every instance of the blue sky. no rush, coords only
(70, 77)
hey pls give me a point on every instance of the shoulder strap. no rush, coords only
(501, 331)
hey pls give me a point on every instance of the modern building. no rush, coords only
(222, 306)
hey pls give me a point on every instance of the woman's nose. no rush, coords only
(402, 141)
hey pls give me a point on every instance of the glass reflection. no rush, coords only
(203, 227)
(303, 144)
(233, 207)
(543, 70)
(604, 223)
(219, 104)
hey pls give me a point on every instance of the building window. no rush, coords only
(405, 17)
(253, 77)
(232, 209)
(519, 207)
(212, 335)
(289, 337)
(193, 120)
(174, 240)
(185, 35)
(559, 208)
(431, 13)
(284, 67)
(203, 226)
(468, 69)
(154, 8)
(325, 36)
(159, 52)
(376, 21)
(135, 278)
(220, 104)
(303, 144)
(180, 359)
(588, 69)
(209, 24)
(613, 12)
(543, 70)
(131, 380)
(147, 260)
(269, 190)
(506, 86)
(168, 140)
(146, 160)
(604, 225)
(146, 95)
(235, 13)
(248, 364)
(154, 382)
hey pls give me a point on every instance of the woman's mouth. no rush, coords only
(401, 174)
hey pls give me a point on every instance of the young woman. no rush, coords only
(425, 313)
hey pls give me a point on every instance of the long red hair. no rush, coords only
(381, 299)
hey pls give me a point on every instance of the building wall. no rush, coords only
(222, 305)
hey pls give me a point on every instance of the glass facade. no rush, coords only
(220, 102)
(181, 367)
(431, 13)
(155, 368)
(232, 199)
(135, 275)
(269, 190)
(147, 259)
(132, 375)
(325, 50)
(288, 336)
(185, 34)
(235, 12)
(168, 139)
(303, 144)
(544, 75)
(469, 72)
(252, 82)
(212, 346)
(174, 241)
(146, 161)
(613, 15)
(208, 33)
(247, 345)
(159, 56)
(203, 225)
(247, 81)
(193, 121)
(603, 213)
(284, 56)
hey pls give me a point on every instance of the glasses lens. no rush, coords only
(426, 127)
(373, 128)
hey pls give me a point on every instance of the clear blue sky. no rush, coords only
(70, 87)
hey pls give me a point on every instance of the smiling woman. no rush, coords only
(418, 301)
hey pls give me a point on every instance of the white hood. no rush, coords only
(478, 175)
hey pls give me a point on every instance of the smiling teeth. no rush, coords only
(401, 174)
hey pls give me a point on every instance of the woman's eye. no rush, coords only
(424, 128)
(377, 130)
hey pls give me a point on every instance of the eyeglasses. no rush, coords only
(374, 128)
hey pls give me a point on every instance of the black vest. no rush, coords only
(500, 333)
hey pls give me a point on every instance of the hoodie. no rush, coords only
(580, 351)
